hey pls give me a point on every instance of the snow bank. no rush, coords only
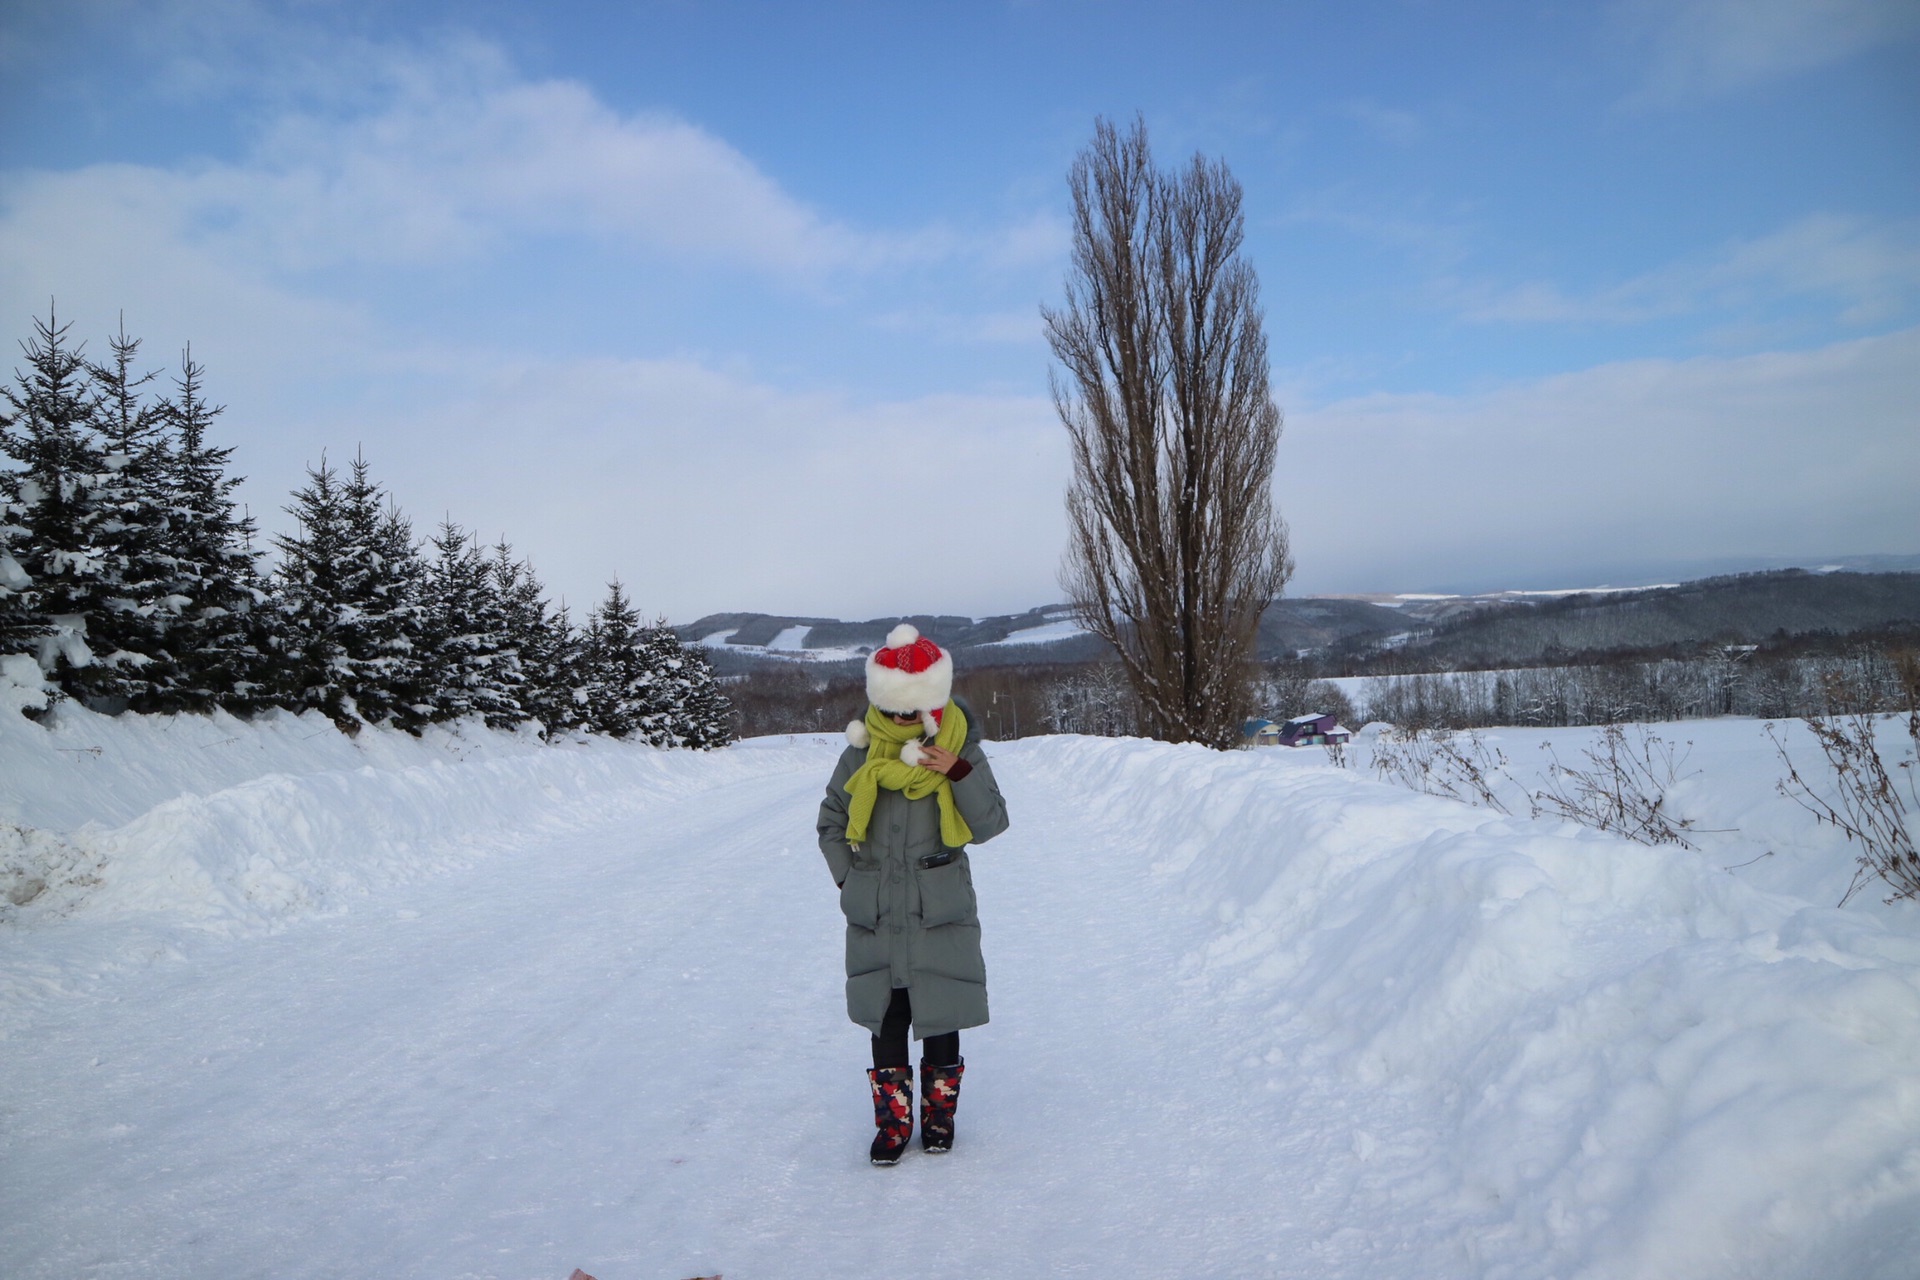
(234, 827)
(1608, 1059)
(1727, 785)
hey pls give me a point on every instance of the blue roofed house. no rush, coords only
(1260, 733)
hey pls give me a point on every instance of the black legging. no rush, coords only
(890, 1046)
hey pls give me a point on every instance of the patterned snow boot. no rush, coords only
(892, 1112)
(939, 1096)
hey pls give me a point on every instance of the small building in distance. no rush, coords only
(1313, 730)
(1260, 733)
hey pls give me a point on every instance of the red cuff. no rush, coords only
(961, 768)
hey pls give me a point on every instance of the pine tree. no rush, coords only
(135, 662)
(685, 706)
(547, 647)
(58, 576)
(472, 657)
(617, 679)
(385, 634)
(563, 674)
(351, 582)
(312, 599)
(222, 635)
(641, 682)
(709, 712)
(22, 627)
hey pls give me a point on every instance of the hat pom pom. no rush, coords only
(903, 635)
(911, 754)
(857, 735)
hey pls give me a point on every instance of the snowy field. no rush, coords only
(292, 1005)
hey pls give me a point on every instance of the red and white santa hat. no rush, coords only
(911, 673)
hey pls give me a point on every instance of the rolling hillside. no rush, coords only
(1440, 631)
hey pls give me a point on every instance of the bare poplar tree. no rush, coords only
(1174, 548)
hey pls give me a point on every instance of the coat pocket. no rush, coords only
(946, 895)
(860, 897)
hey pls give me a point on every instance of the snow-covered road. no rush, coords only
(1253, 1016)
(626, 1049)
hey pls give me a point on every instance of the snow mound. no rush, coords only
(1616, 1060)
(234, 827)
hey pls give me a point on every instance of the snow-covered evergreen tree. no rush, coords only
(389, 593)
(222, 634)
(351, 582)
(709, 711)
(642, 683)
(686, 707)
(618, 682)
(56, 569)
(565, 673)
(472, 656)
(546, 643)
(312, 598)
(22, 626)
(135, 660)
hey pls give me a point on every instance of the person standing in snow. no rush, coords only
(910, 792)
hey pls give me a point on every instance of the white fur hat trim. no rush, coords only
(857, 735)
(912, 753)
(892, 689)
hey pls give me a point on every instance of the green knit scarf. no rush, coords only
(884, 768)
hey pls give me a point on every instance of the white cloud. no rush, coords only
(108, 239)
(1694, 48)
(1868, 270)
(387, 156)
(1789, 452)
(707, 491)
(458, 159)
(703, 489)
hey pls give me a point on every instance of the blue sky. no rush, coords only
(741, 302)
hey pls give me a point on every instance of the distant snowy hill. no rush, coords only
(1646, 573)
(1744, 608)
(1046, 634)
(1517, 629)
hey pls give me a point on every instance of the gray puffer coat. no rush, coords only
(907, 925)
